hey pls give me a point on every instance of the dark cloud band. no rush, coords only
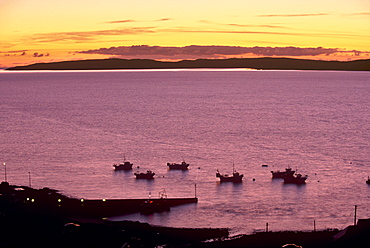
(207, 51)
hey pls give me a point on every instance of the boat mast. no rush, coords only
(6, 180)
(195, 190)
(29, 178)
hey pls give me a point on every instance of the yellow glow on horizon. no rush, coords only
(60, 28)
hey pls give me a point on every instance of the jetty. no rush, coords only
(46, 218)
(51, 200)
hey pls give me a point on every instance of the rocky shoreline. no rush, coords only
(24, 226)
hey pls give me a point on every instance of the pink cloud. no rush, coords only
(130, 21)
(88, 35)
(194, 51)
(121, 21)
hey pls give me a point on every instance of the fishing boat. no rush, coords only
(368, 180)
(125, 165)
(151, 207)
(295, 179)
(175, 166)
(148, 175)
(236, 177)
(282, 174)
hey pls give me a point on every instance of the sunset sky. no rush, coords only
(35, 31)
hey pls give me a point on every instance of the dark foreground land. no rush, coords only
(252, 63)
(24, 224)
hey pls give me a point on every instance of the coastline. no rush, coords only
(266, 63)
(42, 226)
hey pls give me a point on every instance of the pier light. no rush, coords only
(59, 200)
(28, 199)
(32, 200)
(104, 200)
(82, 200)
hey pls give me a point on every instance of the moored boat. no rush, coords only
(236, 177)
(282, 174)
(125, 165)
(175, 166)
(151, 207)
(148, 175)
(368, 180)
(295, 179)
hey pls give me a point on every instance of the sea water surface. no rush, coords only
(64, 130)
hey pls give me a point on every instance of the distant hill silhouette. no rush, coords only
(253, 63)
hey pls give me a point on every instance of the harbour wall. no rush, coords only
(50, 200)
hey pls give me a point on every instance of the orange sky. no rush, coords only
(50, 30)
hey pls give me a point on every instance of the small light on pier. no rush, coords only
(104, 200)
(82, 200)
(59, 200)
(32, 200)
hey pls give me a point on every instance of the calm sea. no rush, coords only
(64, 130)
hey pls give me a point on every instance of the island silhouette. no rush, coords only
(266, 63)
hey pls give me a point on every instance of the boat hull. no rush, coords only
(117, 167)
(177, 167)
(174, 166)
(151, 207)
(148, 176)
(299, 179)
(232, 179)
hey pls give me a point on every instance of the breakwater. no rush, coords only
(51, 200)
(46, 217)
(106, 207)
